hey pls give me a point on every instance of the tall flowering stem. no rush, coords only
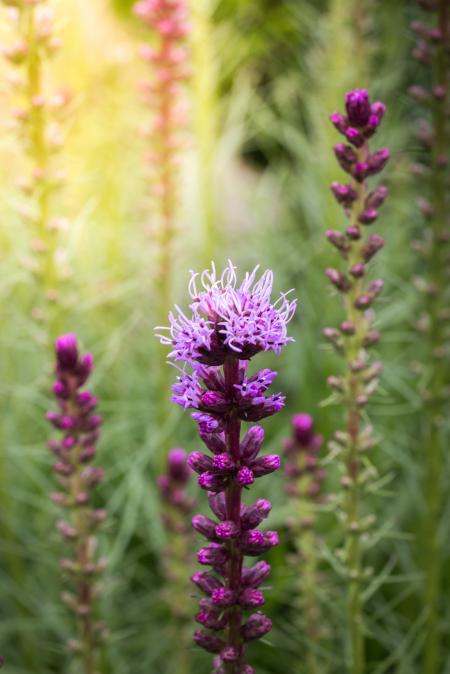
(168, 58)
(228, 325)
(305, 478)
(433, 50)
(37, 121)
(80, 429)
(178, 507)
(356, 335)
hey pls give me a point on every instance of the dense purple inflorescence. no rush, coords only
(80, 430)
(227, 326)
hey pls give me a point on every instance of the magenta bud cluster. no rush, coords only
(79, 428)
(303, 471)
(229, 323)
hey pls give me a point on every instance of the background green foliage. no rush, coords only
(279, 68)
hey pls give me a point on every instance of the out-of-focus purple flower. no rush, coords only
(229, 323)
(80, 429)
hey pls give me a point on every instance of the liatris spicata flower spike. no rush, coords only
(229, 324)
(37, 121)
(305, 478)
(167, 19)
(80, 429)
(178, 507)
(356, 335)
(433, 50)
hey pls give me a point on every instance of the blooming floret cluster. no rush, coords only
(228, 325)
(228, 319)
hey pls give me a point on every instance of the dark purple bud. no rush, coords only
(358, 107)
(215, 401)
(338, 240)
(255, 575)
(85, 368)
(210, 619)
(303, 426)
(245, 476)
(205, 526)
(355, 137)
(223, 463)
(368, 216)
(376, 287)
(207, 423)
(353, 232)
(378, 109)
(357, 270)
(255, 542)
(376, 198)
(246, 669)
(66, 530)
(209, 642)
(63, 468)
(251, 598)
(66, 352)
(371, 338)
(439, 92)
(92, 475)
(253, 515)
(363, 302)
(344, 194)
(252, 443)
(217, 503)
(206, 582)
(256, 626)
(345, 155)
(361, 171)
(226, 530)
(212, 482)
(338, 279)
(265, 465)
(177, 465)
(229, 654)
(61, 390)
(199, 462)
(214, 554)
(87, 454)
(69, 441)
(347, 328)
(377, 161)
(373, 244)
(339, 121)
(223, 596)
(214, 442)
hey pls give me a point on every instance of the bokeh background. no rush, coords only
(253, 187)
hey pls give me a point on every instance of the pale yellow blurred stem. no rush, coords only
(307, 546)
(205, 118)
(39, 156)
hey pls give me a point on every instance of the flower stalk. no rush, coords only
(80, 429)
(433, 51)
(168, 59)
(228, 326)
(305, 477)
(178, 506)
(37, 122)
(355, 336)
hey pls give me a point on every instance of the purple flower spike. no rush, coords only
(228, 324)
(355, 335)
(80, 430)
